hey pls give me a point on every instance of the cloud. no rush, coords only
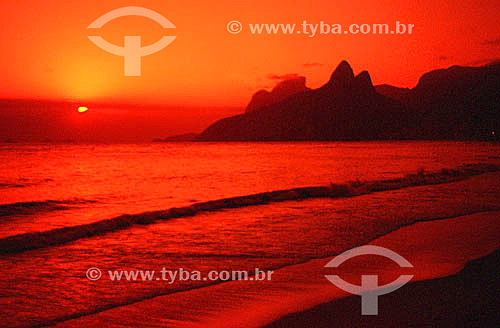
(443, 58)
(311, 65)
(284, 76)
(494, 42)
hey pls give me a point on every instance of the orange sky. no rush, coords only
(46, 53)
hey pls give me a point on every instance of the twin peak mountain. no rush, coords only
(341, 79)
(454, 103)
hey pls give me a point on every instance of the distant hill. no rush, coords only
(393, 92)
(282, 90)
(458, 102)
(455, 103)
(178, 138)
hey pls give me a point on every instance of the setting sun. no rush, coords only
(82, 109)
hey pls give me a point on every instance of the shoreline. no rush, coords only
(468, 298)
(436, 249)
(35, 240)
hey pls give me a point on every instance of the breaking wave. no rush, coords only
(28, 241)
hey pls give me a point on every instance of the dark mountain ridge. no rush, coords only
(282, 90)
(455, 103)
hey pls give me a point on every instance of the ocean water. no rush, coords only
(44, 188)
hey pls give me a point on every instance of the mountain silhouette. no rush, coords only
(393, 92)
(346, 108)
(458, 102)
(455, 103)
(282, 90)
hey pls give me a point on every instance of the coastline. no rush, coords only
(437, 249)
(467, 299)
(41, 239)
